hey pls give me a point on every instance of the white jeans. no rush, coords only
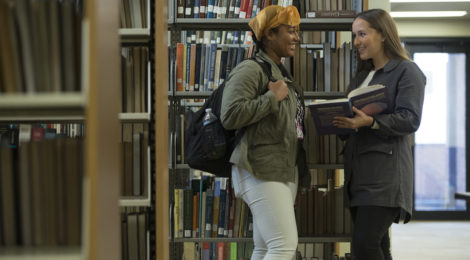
(272, 206)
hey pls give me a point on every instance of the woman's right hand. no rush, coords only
(279, 88)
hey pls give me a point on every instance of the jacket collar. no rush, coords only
(391, 64)
(276, 72)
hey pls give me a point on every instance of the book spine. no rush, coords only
(331, 14)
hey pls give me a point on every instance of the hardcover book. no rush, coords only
(370, 99)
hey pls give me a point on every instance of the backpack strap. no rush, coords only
(266, 66)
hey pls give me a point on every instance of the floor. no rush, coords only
(431, 240)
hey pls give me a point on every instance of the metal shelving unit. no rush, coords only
(176, 25)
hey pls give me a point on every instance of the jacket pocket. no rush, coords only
(267, 156)
(376, 148)
(375, 164)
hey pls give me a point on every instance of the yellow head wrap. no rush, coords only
(271, 17)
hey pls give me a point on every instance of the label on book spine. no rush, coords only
(331, 14)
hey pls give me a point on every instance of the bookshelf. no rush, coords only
(137, 117)
(189, 99)
(95, 42)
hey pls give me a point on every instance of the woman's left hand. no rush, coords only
(360, 119)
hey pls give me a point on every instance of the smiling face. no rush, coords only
(369, 42)
(282, 42)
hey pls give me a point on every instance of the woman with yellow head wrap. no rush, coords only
(270, 26)
(269, 158)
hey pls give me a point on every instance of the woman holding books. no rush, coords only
(264, 172)
(378, 155)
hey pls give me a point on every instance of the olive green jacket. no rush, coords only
(268, 148)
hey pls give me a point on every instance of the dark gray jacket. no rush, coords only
(379, 162)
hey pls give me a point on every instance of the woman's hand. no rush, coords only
(279, 88)
(360, 119)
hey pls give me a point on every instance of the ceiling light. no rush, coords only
(428, 14)
(426, 1)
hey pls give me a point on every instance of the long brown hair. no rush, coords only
(383, 23)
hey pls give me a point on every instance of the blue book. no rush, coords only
(254, 10)
(188, 65)
(206, 67)
(209, 210)
(371, 100)
(221, 224)
(241, 54)
(202, 67)
(236, 13)
(210, 9)
(196, 8)
(212, 56)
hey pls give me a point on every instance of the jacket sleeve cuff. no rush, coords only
(375, 125)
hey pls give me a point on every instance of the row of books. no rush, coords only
(243, 251)
(245, 37)
(245, 9)
(213, 250)
(135, 159)
(135, 79)
(208, 208)
(134, 233)
(40, 46)
(134, 13)
(221, 9)
(325, 8)
(10, 134)
(203, 67)
(321, 212)
(235, 37)
(41, 189)
(323, 70)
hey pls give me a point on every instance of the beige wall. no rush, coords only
(382, 4)
(421, 27)
(433, 28)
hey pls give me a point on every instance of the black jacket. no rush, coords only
(379, 162)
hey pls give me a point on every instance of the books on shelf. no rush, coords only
(134, 13)
(41, 175)
(134, 154)
(203, 67)
(134, 230)
(53, 62)
(205, 207)
(370, 99)
(245, 9)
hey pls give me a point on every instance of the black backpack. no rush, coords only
(198, 154)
